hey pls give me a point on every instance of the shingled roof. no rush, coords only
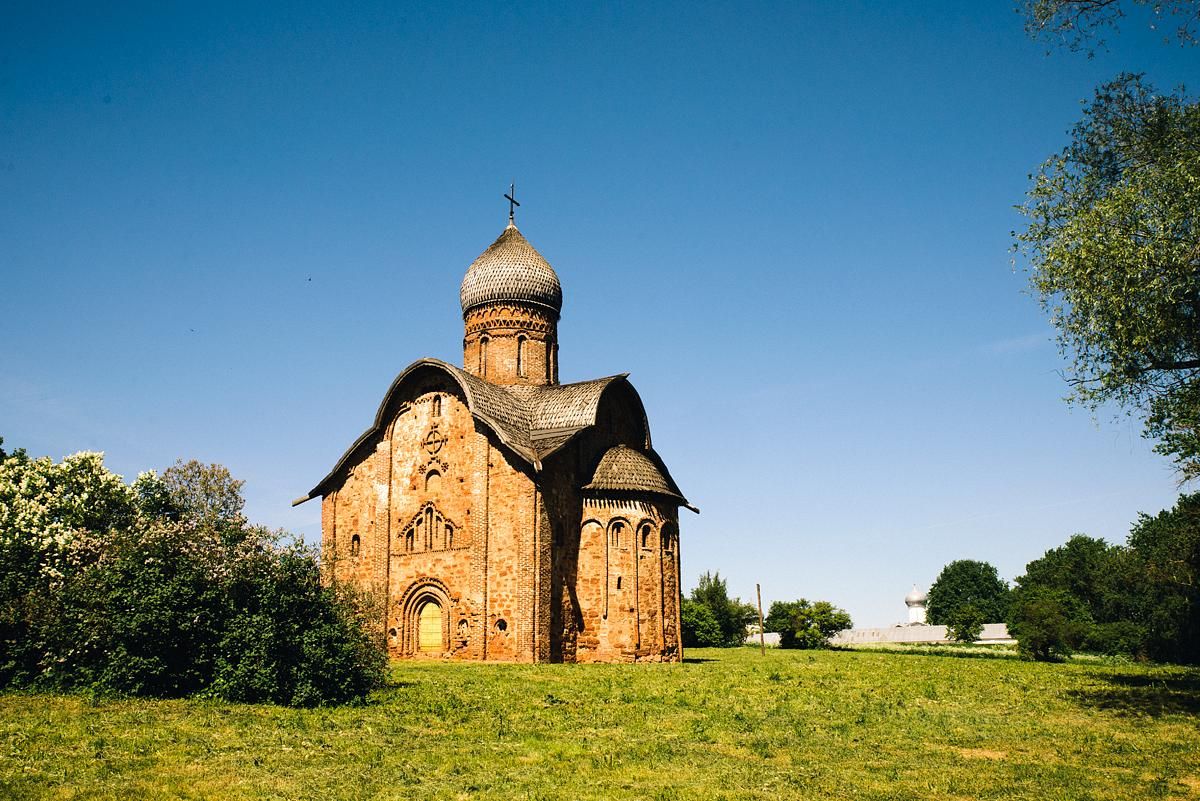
(624, 469)
(511, 269)
(532, 421)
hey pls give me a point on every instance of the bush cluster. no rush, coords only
(163, 589)
(1140, 599)
(711, 619)
(802, 624)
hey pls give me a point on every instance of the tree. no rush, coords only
(1095, 583)
(1045, 623)
(801, 624)
(732, 616)
(966, 624)
(700, 629)
(1113, 249)
(1085, 568)
(1077, 23)
(1165, 557)
(967, 582)
(205, 493)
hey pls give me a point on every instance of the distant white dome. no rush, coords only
(916, 597)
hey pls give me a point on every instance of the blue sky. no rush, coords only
(225, 229)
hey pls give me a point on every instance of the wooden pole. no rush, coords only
(762, 639)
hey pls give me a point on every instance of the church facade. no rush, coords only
(502, 515)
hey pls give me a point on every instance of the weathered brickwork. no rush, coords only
(511, 343)
(499, 516)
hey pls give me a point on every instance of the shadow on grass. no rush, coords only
(696, 660)
(1153, 696)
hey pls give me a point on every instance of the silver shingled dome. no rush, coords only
(511, 270)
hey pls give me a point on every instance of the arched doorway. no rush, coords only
(429, 628)
(423, 618)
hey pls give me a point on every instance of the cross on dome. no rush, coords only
(512, 201)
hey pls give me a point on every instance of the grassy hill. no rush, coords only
(726, 724)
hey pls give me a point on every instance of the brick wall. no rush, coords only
(520, 564)
(509, 328)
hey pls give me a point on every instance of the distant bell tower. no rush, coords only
(915, 601)
(511, 300)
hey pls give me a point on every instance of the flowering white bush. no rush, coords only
(162, 588)
(44, 505)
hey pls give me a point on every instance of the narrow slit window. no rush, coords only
(483, 347)
(521, 356)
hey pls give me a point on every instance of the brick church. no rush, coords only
(504, 515)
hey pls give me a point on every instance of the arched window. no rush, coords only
(449, 536)
(483, 345)
(437, 405)
(433, 480)
(614, 534)
(644, 534)
(668, 537)
(408, 540)
(355, 542)
(429, 528)
(521, 355)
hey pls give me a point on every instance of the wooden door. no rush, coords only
(429, 628)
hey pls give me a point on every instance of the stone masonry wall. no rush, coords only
(627, 574)
(521, 566)
(441, 514)
(507, 328)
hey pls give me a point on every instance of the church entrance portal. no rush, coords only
(429, 628)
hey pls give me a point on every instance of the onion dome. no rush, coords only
(916, 597)
(511, 270)
(624, 469)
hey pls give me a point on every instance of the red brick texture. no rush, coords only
(521, 565)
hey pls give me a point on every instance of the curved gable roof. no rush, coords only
(531, 421)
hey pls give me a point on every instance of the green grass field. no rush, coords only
(726, 724)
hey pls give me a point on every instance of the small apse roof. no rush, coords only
(625, 469)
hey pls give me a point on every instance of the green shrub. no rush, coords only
(1047, 624)
(801, 624)
(292, 640)
(126, 590)
(966, 624)
(700, 628)
(730, 614)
